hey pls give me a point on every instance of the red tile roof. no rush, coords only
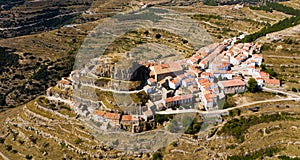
(151, 80)
(203, 81)
(167, 68)
(65, 82)
(272, 81)
(264, 75)
(99, 113)
(232, 83)
(126, 118)
(178, 98)
(114, 116)
(207, 74)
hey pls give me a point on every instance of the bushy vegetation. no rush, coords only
(235, 112)
(260, 154)
(160, 118)
(238, 127)
(206, 17)
(194, 127)
(288, 158)
(267, 70)
(7, 59)
(211, 2)
(252, 86)
(278, 7)
(283, 24)
(157, 156)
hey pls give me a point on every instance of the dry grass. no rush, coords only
(285, 62)
(292, 3)
(248, 97)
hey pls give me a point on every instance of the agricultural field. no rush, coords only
(284, 59)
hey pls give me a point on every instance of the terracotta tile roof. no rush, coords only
(207, 74)
(152, 73)
(181, 76)
(272, 81)
(65, 82)
(232, 83)
(126, 118)
(175, 80)
(113, 116)
(99, 113)
(208, 97)
(251, 67)
(167, 68)
(203, 81)
(257, 56)
(178, 98)
(151, 80)
(264, 75)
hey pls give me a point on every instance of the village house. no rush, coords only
(264, 75)
(151, 82)
(189, 81)
(148, 89)
(232, 86)
(207, 75)
(178, 100)
(272, 82)
(260, 81)
(209, 100)
(258, 59)
(64, 84)
(203, 64)
(195, 59)
(160, 105)
(196, 70)
(193, 88)
(223, 75)
(166, 69)
(149, 115)
(114, 117)
(201, 82)
(174, 83)
(126, 120)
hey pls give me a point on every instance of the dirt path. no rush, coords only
(3, 156)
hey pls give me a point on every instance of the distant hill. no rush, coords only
(23, 17)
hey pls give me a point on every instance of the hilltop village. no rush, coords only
(200, 82)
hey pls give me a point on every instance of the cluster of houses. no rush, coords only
(202, 80)
(206, 77)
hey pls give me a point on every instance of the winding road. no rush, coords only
(111, 90)
(224, 110)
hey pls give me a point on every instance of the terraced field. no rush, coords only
(40, 132)
(284, 59)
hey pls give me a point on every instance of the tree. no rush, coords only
(235, 112)
(157, 156)
(157, 36)
(294, 89)
(252, 85)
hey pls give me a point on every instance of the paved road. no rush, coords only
(282, 92)
(224, 110)
(112, 90)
